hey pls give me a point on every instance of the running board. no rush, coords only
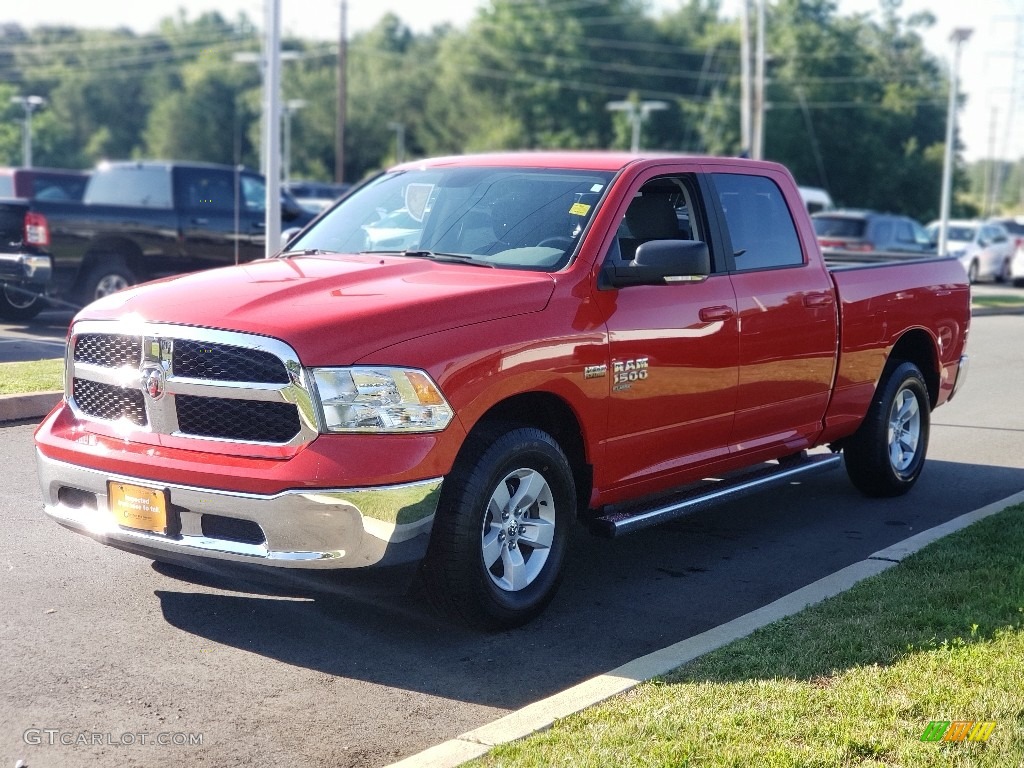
(628, 520)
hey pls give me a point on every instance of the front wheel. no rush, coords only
(973, 271)
(499, 539)
(886, 454)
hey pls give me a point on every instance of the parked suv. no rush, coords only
(857, 230)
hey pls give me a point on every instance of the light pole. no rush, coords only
(290, 108)
(636, 112)
(959, 36)
(257, 58)
(399, 129)
(30, 104)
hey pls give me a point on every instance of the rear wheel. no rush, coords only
(19, 304)
(106, 278)
(886, 454)
(495, 557)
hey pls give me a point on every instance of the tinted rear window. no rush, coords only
(142, 187)
(839, 226)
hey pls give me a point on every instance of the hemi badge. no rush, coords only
(595, 371)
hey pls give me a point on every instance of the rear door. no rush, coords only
(788, 318)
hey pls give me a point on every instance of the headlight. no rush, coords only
(391, 400)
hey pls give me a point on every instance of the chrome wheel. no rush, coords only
(109, 284)
(518, 530)
(904, 430)
(18, 298)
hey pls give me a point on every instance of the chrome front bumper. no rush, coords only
(322, 528)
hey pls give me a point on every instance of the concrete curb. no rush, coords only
(542, 714)
(23, 407)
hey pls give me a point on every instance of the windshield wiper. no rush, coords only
(303, 252)
(455, 258)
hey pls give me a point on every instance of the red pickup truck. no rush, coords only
(468, 355)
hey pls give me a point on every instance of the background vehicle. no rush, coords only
(316, 195)
(557, 337)
(142, 220)
(43, 183)
(25, 264)
(865, 231)
(983, 247)
(816, 199)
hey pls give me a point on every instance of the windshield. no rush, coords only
(505, 217)
(955, 234)
(838, 226)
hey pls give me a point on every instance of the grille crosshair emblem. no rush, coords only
(153, 381)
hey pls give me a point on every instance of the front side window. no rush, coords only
(505, 217)
(759, 222)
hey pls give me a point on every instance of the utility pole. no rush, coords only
(757, 148)
(272, 127)
(339, 133)
(746, 138)
(959, 36)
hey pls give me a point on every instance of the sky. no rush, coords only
(987, 65)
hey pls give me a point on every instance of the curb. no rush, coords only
(542, 714)
(24, 407)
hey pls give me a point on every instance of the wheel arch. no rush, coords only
(918, 347)
(553, 414)
(107, 248)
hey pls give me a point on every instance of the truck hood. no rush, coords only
(333, 310)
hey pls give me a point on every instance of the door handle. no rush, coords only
(716, 314)
(201, 222)
(259, 225)
(818, 300)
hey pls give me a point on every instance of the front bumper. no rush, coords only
(321, 528)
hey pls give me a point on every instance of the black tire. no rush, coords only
(481, 567)
(885, 456)
(103, 279)
(972, 271)
(16, 304)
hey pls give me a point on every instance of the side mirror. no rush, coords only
(658, 262)
(288, 235)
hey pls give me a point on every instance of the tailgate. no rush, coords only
(12, 224)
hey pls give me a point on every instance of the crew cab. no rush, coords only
(138, 221)
(602, 339)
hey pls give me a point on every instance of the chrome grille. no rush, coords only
(108, 350)
(104, 401)
(246, 420)
(221, 362)
(191, 382)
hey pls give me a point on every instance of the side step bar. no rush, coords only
(629, 519)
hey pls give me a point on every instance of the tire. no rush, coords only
(885, 456)
(972, 272)
(493, 561)
(1004, 273)
(18, 305)
(105, 279)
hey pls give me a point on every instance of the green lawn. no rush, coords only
(35, 376)
(853, 681)
(998, 300)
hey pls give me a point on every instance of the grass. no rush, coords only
(853, 681)
(1001, 300)
(34, 376)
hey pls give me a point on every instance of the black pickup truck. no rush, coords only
(137, 221)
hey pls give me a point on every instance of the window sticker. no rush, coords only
(579, 209)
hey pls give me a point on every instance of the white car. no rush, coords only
(1017, 267)
(983, 247)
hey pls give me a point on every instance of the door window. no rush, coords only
(759, 222)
